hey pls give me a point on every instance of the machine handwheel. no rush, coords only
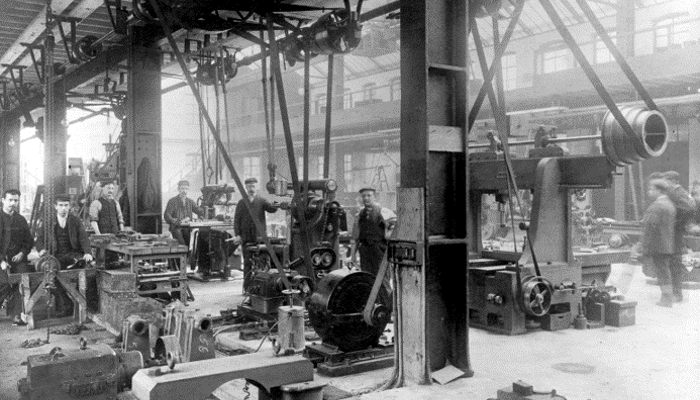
(537, 296)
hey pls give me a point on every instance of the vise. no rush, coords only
(96, 373)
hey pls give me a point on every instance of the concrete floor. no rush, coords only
(658, 358)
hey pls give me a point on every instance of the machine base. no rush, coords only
(332, 362)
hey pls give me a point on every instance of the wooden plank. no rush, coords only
(31, 33)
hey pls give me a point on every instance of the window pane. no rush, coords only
(509, 69)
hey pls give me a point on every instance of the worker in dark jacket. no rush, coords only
(371, 233)
(70, 241)
(179, 211)
(658, 236)
(105, 212)
(685, 213)
(246, 232)
(15, 244)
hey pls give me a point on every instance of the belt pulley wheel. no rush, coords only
(537, 296)
(335, 310)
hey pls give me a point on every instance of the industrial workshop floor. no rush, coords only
(658, 358)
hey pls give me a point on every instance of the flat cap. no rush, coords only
(251, 180)
(183, 182)
(368, 189)
(61, 197)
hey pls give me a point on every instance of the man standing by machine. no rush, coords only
(15, 244)
(371, 233)
(105, 212)
(244, 224)
(71, 242)
(179, 211)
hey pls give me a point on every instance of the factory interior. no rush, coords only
(349, 199)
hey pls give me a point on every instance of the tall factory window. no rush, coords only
(320, 103)
(300, 167)
(369, 91)
(554, 58)
(602, 53)
(319, 167)
(395, 89)
(509, 69)
(670, 31)
(347, 172)
(251, 167)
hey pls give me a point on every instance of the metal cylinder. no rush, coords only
(290, 329)
(649, 138)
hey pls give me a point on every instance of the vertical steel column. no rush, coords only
(143, 135)
(54, 132)
(432, 293)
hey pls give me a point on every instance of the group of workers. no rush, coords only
(370, 233)
(71, 243)
(665, 222)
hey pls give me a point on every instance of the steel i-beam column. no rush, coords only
(9, 151)
(143, 135)
(429, 248)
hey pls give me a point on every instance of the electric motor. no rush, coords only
(336, 307)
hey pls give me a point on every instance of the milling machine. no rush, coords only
(536, 278)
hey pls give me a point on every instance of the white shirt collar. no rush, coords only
(62, 221)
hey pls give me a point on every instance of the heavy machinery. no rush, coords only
(324, 219)
(93, 373)
(540, 279)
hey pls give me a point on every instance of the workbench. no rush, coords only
(174, 279)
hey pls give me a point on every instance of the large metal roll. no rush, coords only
(649, 139)
(335, 310)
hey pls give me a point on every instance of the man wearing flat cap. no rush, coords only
(246, 232)
(371, 232)
(179, 211)
(70, 240)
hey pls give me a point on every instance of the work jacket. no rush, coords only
(77, 235)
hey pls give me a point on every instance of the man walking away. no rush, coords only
(658, 236)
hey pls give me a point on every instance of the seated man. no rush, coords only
(15, 244)
(70, 242)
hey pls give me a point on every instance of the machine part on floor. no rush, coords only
(330, 361)
(290, 329)
(620, 313)
(336, 307)
(95, 373)
(525, 391)
(198, 379)
(303, 391)
(135, 336)
(115, 307)
(187, 335)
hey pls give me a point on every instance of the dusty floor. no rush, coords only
(658, 358)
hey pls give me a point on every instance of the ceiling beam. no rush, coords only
(31, 33)
(81, 11)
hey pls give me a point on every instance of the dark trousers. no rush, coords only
(677, 270)
(662, 266)
(247, 266)
(14, 306)
(371, 255)
(181, 235)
